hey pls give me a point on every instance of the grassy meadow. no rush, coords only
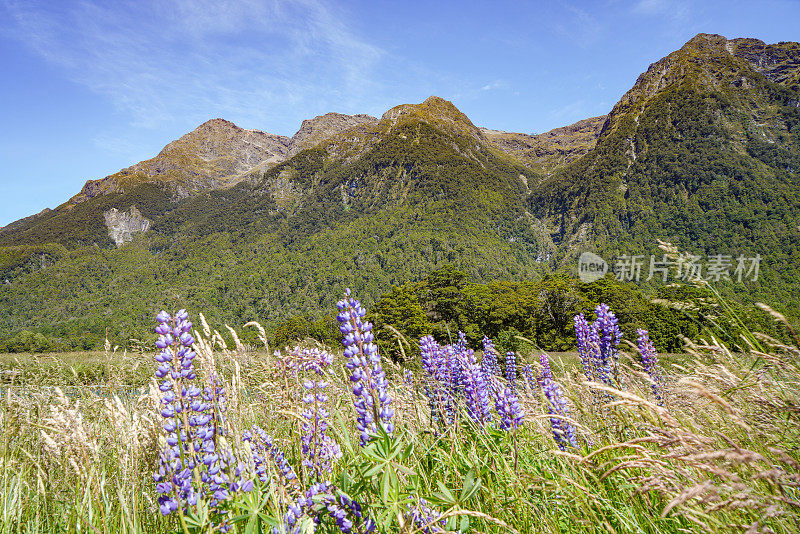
(80, 436)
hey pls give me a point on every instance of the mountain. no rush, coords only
(214, 155)
(373, 203)
(703, 151)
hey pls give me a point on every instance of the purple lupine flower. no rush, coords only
(313, 359)
(436, 362)
(587, 349)
(448, 381)
(476, 390)
(508, 409)
(489, 364)
(362, 523)
(408, 379)
(261, 443)
(610, 335)
(178, 460)
(325, 500)
(529, 377)
(454, 367)
(320, 449)
(191, 466)
(547, 372)
(461, 344)
(370, 387)
(563, 431)
(511, 369)
(429, 349)
(650, 362)
(425, 518)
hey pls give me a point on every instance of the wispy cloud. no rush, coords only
(496, 84)
(571, 112)
(160, 62)
(674, 9)
(578, 25)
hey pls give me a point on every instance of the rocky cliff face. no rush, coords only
(779, 62)
(122, 225)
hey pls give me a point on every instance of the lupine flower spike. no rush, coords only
(369, 380)
(650, 362)
(508, 409)
(563, 431)
(425, 518)
(319, 449)
(511, 369)
(610, 335)
(529, 377)
(489, 363)
(588, 347)
(476, 389)
(192, 464)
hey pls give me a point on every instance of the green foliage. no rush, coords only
(291, 331)
(27, 341)
(17, 260)
(445, 302)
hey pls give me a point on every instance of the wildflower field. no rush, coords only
(204, 436)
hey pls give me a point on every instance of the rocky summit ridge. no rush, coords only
(218, 153)
(548, 151)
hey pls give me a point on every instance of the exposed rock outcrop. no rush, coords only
(122, 225)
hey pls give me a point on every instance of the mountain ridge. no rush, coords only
(212, 157)
(704, 151)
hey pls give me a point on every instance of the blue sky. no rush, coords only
(89, 87)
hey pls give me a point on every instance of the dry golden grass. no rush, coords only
(721, 455)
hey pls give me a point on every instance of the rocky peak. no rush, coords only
(314, 131)
(437, 111)
(713, 61)
(216, 154)
(706, 42)
(219, 138)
